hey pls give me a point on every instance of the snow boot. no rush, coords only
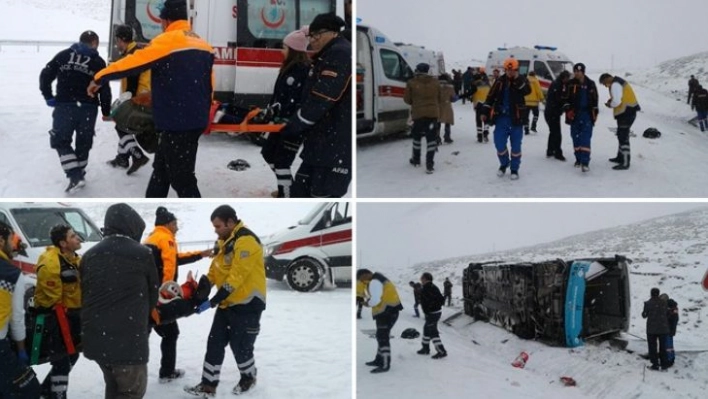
(550, 154)
(425, 350)
(585, 168)
(577, 164)
(247, 383)
(176, 374)
(378, 362)
(526, 130)
(379, 370)
(75, 184)
(137, 164)
(120, 161)
(201, 390)
(514, 175)
(429, 169)
(440, 355)
(486, 136)
(479, 138)
(414, 162)
(624, 165)
(617, 159)
(559, 156)
(501, 171)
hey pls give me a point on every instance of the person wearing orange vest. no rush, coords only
(163, 244)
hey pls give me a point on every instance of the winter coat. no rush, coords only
(135, 84)
(467, 79)
(572, 99)
(167, 257)
(536, 95)
(493, 105)
(288, 89)
(656, 311)
(181, 81)
(431, 300)
(416, 292)
(57, 280)
(673, 316)
(700, 100)
(555, 98)
(423, 95)
(447, 94)
(447, 286)
(74, 69)
(120, 287)
(325, 117)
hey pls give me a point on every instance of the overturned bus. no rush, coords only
(558, 302)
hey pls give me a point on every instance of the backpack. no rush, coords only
(652, 133)
(410, 333)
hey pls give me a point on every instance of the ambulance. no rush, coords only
(247, 37)
(415, 55)
(381, 75)
(546, 61)
(314, 253)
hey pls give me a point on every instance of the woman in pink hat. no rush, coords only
(285, 102)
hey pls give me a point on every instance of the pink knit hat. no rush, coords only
(297, 40)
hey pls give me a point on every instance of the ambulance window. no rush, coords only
(559, 66)
(523, 68)
(394, 67)
(4, 219)
(542, 70)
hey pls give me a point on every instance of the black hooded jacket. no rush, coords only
(119, 285)
(431, 300)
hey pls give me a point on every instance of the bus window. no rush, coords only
(542, 70)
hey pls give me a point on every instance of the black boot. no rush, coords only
(425, 350)
(378, 362)
(624, 165)
(479, 138)
(120, 161)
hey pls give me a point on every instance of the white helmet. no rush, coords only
(169, 291)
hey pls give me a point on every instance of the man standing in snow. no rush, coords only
(431, 300)
(581, 114)
(385, 306)
(700, 104)
(656, 313)
(532, 101)
(625, 107)
(423, 95)
(416, 296)
(164, 247)
(75, 111)
(552, 114)
(692, 85)
(238, 272)
(181, 85)
(119, 289)
(447, 287)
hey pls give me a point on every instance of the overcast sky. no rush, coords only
(639, 33)
(408, 233)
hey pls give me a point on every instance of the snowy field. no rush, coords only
(672, 166)
(304, 347)
(667, 252)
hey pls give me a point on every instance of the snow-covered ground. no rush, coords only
(671, 166)
(304, 347)
(32, 168)
(667, 252)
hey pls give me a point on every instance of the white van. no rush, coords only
(381, 75)
(314, 253)
(415, 55)
(546, 61)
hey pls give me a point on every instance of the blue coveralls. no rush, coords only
(506, 130)
(581, 128)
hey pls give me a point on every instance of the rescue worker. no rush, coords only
(431, 300)
(238, 272)
(447, 288)
(700, 104)
(692, 85)
(447, 115)
(532, 101)
(136, 85)
(416, 297)
(385, 306)
(495, 76)
(581, 114)
(284, 103)
(467, 78)
(17, 379)
(625, 107)
(360, 298)
(74, 111)
(119, 287)
(555, 99)
(324, 118)
(422, 93)
(505, 108)
(478, 98)
(656, 313)
(167, 257)
(181, 86)
(58, 286)
(457, 81)
(673, 317)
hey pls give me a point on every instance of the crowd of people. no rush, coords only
(105, 303)
(510, 102)
(166, 100)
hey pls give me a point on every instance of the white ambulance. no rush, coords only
(546, 61)
(315, 253)
(247, 36)
(381, 75)
(415, 55)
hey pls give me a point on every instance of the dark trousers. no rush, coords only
(431, 333)
(448, 298)
(660, 358)
(56, 383)
(124, 381)
(16, 381)
(67, 119)
(237, 329)
(415, 308)
(670, 352)
(528, 121)
(624, 125)
(127, 146)
(321, 181)
(168, 346)
(174, 164)
(482, 128)
(359, 306)
(280, 154)
(384, 324)
(425, 127)
(439, 127)
(554, 135)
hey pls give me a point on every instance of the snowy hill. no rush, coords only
(671, 77)
(668, 252)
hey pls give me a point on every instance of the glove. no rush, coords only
(51, 102)
(569, 116)
(23, 358)
(206, 305)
